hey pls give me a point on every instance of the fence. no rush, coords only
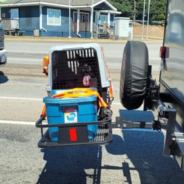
(10, 24)
(154, 31)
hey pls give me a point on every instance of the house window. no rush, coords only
(84, 17)
(14, 13)
(53, 17)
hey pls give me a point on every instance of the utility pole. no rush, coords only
(149, 1)
(143, 18)
(69, 19)
(134, 17)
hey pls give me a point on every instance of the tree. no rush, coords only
(135, 7)
(158, 9)
(124, 6)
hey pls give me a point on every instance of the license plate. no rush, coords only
(70, 115)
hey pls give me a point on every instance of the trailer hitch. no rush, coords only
(120, 123)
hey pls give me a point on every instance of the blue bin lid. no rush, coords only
(57, 91)
(50, 100)
(54, 92)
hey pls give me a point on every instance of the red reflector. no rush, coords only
(73, 134)
(162, 52)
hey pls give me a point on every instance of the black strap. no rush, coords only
(142, 124)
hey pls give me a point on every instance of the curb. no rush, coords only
(36, 71)
(73, 40)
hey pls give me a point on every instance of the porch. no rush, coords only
(97, 19)
(11, 27)
(70, 19)
(99, 31)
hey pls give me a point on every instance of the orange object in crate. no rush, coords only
(45, 64)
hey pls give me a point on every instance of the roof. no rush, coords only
(59, 3)
(84, 2)
(63, 2)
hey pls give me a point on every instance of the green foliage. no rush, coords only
(157, 9)
(124, 6)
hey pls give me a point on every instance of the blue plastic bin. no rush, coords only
(70, 110)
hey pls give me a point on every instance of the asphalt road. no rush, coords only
(134, 157)
(23, 52)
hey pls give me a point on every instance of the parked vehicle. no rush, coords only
(3, 53)
(165, 100)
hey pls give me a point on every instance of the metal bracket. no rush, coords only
(177, 148)
(167, 121)
(120, 123)
(153, 91)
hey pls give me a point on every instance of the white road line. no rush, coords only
(116, 103)
(26, 52)
(19, 98)
(17, 122)
(23, 61)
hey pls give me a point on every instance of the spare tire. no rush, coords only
(134, 75)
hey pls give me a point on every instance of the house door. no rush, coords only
(84, 17)
(83, 21)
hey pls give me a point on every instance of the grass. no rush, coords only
(79, 40)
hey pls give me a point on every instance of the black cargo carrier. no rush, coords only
(164, 99)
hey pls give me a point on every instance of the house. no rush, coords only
(64, 18)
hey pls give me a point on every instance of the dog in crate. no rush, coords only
(85, 69)
(69, 72)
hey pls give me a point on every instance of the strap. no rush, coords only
(111, 90)
(44, 111)
(81, 92)
(78, 93)
(45, 63)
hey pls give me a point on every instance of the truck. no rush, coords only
(171, 91)
(164, 99)
(3, 53)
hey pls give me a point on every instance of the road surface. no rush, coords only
(23, 52)
(135, 157)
